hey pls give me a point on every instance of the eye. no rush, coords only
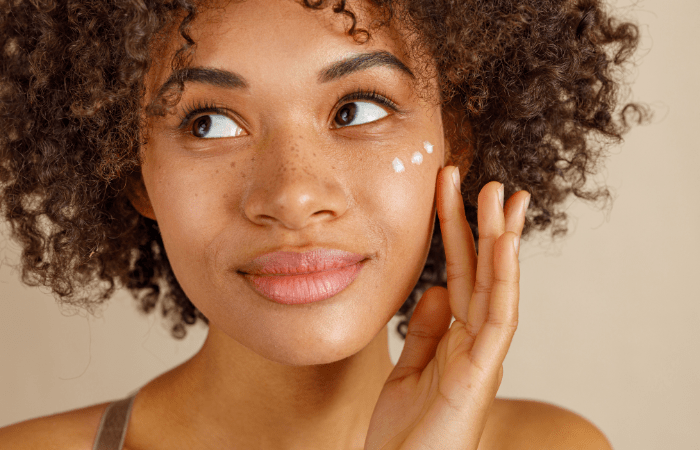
(212, 126)
(357, 113)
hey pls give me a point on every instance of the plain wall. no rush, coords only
(608, 316)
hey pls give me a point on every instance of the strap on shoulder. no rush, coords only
(115, 420)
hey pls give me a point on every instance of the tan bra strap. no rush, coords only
(115, 420)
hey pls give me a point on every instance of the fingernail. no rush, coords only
(516, 245)
(455, 178)
(527, 202)
(501, 193)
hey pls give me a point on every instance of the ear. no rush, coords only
(137, 195)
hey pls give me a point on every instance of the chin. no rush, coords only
(313, 345)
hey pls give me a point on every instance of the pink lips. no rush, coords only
(297, 278)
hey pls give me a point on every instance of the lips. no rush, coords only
(290, 263)
(297, 278)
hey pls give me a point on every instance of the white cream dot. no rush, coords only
(398, 165)
(428, 147)
(417, 158)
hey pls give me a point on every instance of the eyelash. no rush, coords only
(190, 111)
(374, 95)
(195, 108)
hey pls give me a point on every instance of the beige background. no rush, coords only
(609, 315)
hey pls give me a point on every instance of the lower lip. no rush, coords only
(304, 288)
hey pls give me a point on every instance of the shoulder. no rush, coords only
(527, 424)
(71, 430)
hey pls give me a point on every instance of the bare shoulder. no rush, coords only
(533, 425)
(71, 430)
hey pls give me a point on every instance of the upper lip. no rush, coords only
(289, 263)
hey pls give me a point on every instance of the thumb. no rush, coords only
(429, 323)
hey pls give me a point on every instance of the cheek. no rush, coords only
(410, 189)
(407, 209)
(182, 201)
(416, 158)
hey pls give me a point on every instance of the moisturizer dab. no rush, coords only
(428, 147)
(417, 158)
(398, 165)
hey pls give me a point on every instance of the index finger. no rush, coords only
(460, 252)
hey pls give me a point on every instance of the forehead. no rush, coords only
(277, 41)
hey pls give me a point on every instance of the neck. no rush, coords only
(231, 397)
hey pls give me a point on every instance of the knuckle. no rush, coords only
(482, 287)
(421, 332)
(472, 330)
(456, 271)
(508, 280)
(509, 324)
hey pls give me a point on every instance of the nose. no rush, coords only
(294, 184)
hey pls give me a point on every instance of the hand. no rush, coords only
(439, 394)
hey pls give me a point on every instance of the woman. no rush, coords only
(275, 169)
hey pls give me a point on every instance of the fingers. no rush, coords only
(471, 285)
(493, 308)
(493, 222)
(460, 253)
(472, 381)
(431, 319)
(515, 210)
(491, 227)
(496, 333)
(429, 322)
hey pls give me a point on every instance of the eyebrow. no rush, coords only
(205, 75)
(359, 62)
(232, 80)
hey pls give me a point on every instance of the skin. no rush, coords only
(319, 376)
(334, 188)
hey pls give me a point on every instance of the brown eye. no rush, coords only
(201, 126)
(357, 113)
(212, 126)
(346, 114)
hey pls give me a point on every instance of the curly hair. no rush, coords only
(531, 91)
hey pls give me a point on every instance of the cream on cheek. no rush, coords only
(416, 158)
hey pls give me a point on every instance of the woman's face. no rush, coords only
(275, 160)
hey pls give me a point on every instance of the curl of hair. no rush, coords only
(530, 93)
